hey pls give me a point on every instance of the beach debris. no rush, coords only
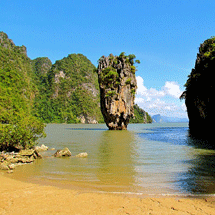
(4, 166)
(63, 153)
(41, 148)
(12, 166)
(82, 155)
(10, 160)
(10, 171)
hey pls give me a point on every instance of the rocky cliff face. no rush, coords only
(199, 93)
(7, 43)
(117, 82)
(72, 91)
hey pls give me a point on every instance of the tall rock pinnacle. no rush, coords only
(117, 82)
(199, 93)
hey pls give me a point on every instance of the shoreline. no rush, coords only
(81, 187)
(19, 197)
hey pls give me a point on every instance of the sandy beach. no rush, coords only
(26, 198)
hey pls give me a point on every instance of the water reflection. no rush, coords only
(115, 159)
(109, 166)
(174, 135)
(200, 143)
(146, 158)
(89, 129)
(200, 176)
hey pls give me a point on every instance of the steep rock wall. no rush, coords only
(117, 82)
(199, 93)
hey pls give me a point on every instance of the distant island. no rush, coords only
(159, 119)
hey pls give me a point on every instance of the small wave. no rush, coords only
(90, 129)
(185, 195)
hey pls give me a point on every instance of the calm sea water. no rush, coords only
(147, 158)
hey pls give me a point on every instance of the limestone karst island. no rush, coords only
(72, 90)
(117, 82)
(35, 92)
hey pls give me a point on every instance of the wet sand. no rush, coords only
(27, 198)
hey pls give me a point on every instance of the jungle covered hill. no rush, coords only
(19, 127)
(34, 92)
(67, 90)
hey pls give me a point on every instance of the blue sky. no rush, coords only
(164, 36)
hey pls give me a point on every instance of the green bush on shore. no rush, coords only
(21, 134)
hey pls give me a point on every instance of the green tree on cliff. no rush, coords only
(18, 127)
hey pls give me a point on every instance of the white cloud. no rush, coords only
(141, 89)
(155, 93)
(139, 100)
(165, 101)
(172, 88)
(183, 107)
(167, 108)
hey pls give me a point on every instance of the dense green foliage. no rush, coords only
(41, 66)
(140, 116)
(109, 77)
(34, 92)
(68, 90)
(22, 132)
(18, 127)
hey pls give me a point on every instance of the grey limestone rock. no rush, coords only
(41, 148)
(117, 82)
(82, 155)
(9, 161)
(63, 153)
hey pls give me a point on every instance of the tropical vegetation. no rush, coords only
(19, 128)
(35, 92)
(140, 116)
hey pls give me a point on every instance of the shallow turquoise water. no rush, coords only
(147, 158)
